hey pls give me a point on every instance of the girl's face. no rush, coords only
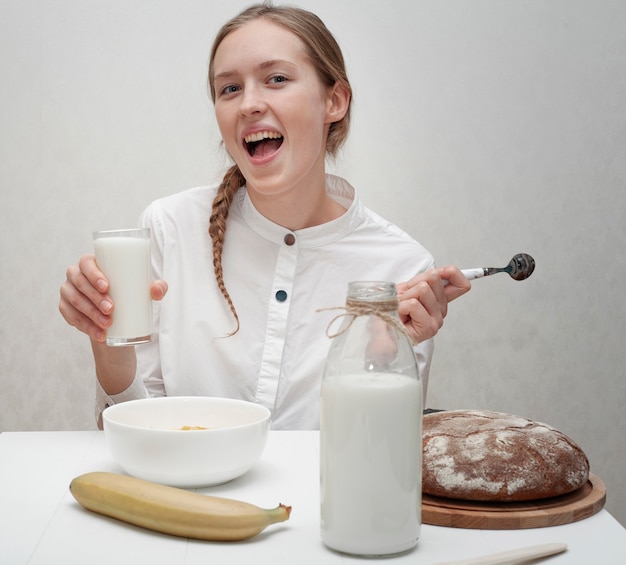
(272, 109)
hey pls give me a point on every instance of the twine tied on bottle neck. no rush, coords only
(380, 308)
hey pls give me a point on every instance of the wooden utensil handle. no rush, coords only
(513, 556)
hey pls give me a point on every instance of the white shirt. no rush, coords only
(277, 284)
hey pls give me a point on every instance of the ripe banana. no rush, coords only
(172, 510)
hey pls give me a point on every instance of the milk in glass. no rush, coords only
(124, 258)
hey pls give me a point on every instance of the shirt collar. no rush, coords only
(337, 188)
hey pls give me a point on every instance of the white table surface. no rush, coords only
(41, 523)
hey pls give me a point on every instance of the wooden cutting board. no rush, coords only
(555, 511)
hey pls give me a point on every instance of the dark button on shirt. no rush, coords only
(290, 239)
(281, 295)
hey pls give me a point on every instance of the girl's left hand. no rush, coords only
(423, 300)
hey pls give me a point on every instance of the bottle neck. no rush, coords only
(373, 298)
(370, 292)
(357, 307)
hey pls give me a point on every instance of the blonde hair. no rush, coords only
(327, 58)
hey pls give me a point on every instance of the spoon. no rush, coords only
(520, 267)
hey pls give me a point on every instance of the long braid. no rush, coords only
(233, 179)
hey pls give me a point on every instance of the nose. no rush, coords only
(252, 102)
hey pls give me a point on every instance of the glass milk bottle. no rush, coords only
(371, 429)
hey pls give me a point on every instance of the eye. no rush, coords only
(278, 79)
(229, 89)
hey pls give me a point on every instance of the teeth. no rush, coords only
(260, 135)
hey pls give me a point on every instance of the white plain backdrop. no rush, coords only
(482, 128)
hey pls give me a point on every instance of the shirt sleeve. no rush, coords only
(424, 353)
(135, 391)
(149, 354)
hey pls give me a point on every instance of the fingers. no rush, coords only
(91, 282)
(84, 301)
(457, 283)
(158, 290)
(423, 300)
(425, 286)
(422, 310)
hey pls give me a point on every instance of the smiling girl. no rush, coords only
(249, 263)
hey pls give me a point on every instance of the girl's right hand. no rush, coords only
(85, 300)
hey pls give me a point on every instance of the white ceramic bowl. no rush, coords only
(147, 440)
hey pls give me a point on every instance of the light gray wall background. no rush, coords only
(483, 128)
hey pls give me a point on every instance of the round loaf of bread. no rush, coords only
(492, 456)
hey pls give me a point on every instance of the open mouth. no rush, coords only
(263, 143)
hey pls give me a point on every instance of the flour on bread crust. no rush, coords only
(493, 456)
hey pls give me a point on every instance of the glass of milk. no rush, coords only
(371, 429)
(124, 258)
